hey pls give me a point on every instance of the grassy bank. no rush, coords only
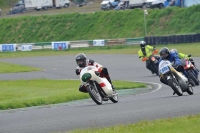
(27, 93)
(99, 25)
(187, 124)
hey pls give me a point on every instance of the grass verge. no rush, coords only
(186, 124)
(27, 93)
(13, 68)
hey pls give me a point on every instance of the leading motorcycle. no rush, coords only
(176, 80)
(97, 87)
(152, 61)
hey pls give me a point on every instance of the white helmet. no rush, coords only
(173, 51)
(142, 44)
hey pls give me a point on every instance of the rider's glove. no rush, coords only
(97, 73)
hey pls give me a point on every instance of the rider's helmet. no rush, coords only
(164, 53)
(174, 51)
(142, 44)
(81, 60)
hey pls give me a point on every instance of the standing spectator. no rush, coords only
(182, 3)
(0, 11)
(172, 3)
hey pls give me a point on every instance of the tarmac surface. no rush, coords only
(149, 105)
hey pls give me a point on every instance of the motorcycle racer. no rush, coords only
(145, 52)
(181, 56)
(173, 58)
(82, 62)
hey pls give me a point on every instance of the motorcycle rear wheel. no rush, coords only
(94, 94)
(192, 76)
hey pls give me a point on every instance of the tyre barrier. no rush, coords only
(173, 39)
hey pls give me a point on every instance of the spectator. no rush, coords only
(0, 11)
(172, 3)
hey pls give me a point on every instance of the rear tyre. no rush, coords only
(192, 76)
(144, 6)
(160, 6)
(94, 94)
(66, 5)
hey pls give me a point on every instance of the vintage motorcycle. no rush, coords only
(97, 87)
(176, 80)
(153, 61)
(190, 69)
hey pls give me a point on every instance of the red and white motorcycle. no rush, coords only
(97, 87)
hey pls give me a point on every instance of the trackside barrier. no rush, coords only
(173, 39)
(81, 43)
(151, 40)
(130, 41)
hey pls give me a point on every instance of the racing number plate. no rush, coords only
(164, 69)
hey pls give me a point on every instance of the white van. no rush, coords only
(146, 3)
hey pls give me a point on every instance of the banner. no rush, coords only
(8, 47)
(60, 45)
(26, 47)
(98, 42)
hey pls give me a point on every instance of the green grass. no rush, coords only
(187, 124)
(13, 68)
(27, 93)
(99, 25)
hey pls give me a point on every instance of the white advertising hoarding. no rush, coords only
(8, 47)
(98, 42)
(59, 45)
(26, 47)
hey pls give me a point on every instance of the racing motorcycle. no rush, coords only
(97, 87)
(153, 61)
(190, 69)
(176, 80)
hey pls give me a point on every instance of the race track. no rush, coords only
(64, 117)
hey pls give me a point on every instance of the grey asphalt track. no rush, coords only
(68, 116)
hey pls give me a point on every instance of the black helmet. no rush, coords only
(164, 53)
(81, 60)
(142, 44)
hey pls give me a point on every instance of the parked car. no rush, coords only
(18, 8)
(156, 4)
(109, 4)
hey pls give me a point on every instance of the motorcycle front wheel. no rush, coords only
(175, 86)
(114, 99)
(94, 94)
(190, 90)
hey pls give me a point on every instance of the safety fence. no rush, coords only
(62, 45)
(173, 39)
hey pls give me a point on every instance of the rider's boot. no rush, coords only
(82, 88)
(105, 99)
(152, 72)
(109, 80)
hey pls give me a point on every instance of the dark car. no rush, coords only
(18, 8)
